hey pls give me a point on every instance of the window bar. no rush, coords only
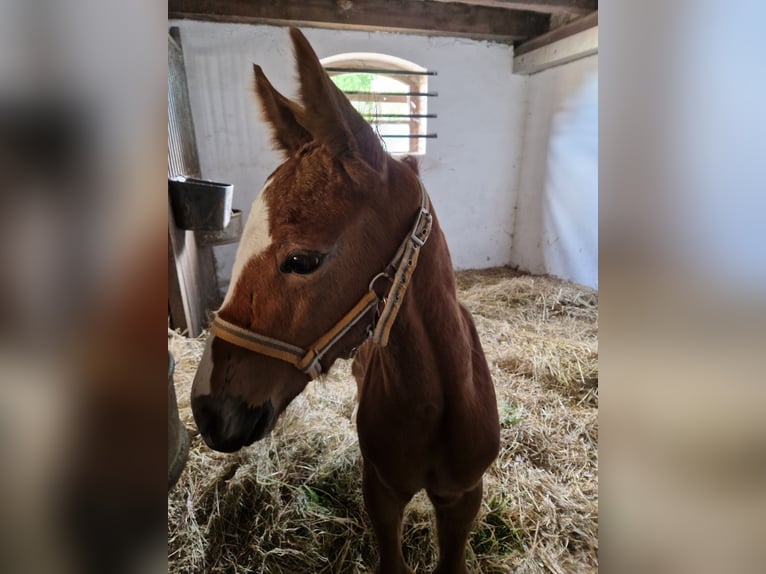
(406, 116)
(410, 136)
(426, 94)
(378, 71)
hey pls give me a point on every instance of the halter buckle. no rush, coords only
(422, 227)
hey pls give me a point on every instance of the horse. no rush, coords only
(343, 256)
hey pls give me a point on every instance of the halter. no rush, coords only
(399, 272)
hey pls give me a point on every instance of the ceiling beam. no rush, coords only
(570, 29)
(566, 50)
(546, 6)
(426, 17)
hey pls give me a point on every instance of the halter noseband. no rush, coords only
(399, 271)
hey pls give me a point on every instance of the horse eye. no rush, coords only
(301, 263)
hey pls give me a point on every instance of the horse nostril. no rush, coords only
(207, 418)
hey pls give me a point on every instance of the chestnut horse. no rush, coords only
(342, 252)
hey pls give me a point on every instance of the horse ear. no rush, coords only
(282, 114)
(330, 117)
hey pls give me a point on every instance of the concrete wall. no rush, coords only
(471, 170)
(556, 213)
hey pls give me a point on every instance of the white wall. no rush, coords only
(556, 215)
(471, 170)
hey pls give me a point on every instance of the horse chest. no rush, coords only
(388, 420)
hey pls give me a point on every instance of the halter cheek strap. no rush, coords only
(404, 263)
(399, 272)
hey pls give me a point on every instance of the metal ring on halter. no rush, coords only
(385, 274)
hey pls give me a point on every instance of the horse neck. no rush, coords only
(430, 331)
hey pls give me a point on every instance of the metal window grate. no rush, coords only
(386, 109)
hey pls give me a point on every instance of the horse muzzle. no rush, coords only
(227, 423)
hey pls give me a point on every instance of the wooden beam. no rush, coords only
(426, 17)
(574, 47)
(546, 6)
(570, 29)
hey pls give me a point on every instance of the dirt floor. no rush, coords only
(292, 503)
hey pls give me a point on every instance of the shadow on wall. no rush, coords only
(570, 198)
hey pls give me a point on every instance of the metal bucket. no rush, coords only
(199, 204)
(178, 439)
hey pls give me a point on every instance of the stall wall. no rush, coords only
(556, 213)
(471, 171)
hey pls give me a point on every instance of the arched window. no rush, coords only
(391, 93)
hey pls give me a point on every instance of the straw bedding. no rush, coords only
(292, 503)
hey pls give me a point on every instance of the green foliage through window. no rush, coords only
(358, 83)
(354, 82)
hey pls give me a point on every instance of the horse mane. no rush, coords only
(412, 163)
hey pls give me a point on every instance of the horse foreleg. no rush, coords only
(454, 515)
(385, 509)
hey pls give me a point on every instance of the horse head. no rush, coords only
(326, 223)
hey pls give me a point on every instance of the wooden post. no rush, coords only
(192, 283)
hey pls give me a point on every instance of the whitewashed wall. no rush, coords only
(471, 170)
(556, 215)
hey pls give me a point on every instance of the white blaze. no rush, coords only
(255, 239)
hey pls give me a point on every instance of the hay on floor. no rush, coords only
(293, 503)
